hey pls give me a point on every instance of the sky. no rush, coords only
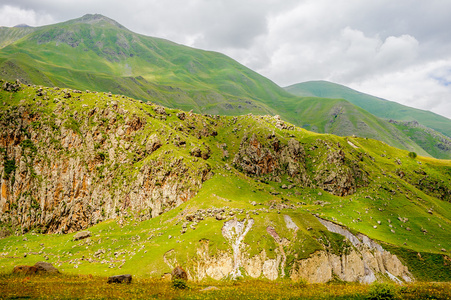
(399, 50)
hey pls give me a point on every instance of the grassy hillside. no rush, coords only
(97, 53)
(435, 143)
(377, 106)
(255, 172)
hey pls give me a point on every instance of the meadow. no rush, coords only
(88, 287)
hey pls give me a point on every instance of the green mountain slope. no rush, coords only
(222, 196)
(97, 53)
(340, 117)
(377, 106)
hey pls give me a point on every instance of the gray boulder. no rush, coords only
(127, 278)
(82, 235)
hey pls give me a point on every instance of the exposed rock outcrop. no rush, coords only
(271, 157)
(68, 172)
(333, 172)
(364, 261)
(127, 278)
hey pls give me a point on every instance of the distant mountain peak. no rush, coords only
(23, 26)
(97, 19)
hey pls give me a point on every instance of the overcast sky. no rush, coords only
(395, 49)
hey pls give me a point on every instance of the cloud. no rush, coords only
(12, 16)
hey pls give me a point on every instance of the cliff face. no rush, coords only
(67, 169)
(329, 170)
(361, 259)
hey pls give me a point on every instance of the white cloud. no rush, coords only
(12, 16)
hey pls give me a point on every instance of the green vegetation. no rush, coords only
(382, 291)
(104, 56)
(397, 200)
(10, 166)
(86, 287)
(429, 136)
(412, 155)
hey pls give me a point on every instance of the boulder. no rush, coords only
(179, 273)
(45, 267)
(153, 143)
(127, 278)
(39, 268)
(181, 116)
(25, 270)
(82, 235)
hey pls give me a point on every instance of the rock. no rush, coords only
(4, 233)
(153, 143)
(209, 288)
(127, 278)
(45, 267)
(181, 116)
(25, 270)
(82, 235)
(196, 152)
(179, 273)
(160, 110)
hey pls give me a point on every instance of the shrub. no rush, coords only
(179, 284)
(412, 155)
(382, 291)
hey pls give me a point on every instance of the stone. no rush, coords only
(196, 152)
(181, 115)
(25, 270)
(153, 143)
(127, 278)
(45, 267)
(82, 235)
(179, 273)
(209, 288)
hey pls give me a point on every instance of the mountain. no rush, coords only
(377, 106)
(222, 196)
(97, 53)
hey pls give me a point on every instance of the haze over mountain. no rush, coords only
(97, 53)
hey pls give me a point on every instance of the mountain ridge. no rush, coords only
(96, 53)
(378, 106)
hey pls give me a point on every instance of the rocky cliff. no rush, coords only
(68, 165)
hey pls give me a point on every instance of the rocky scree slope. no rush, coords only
(73, 159)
